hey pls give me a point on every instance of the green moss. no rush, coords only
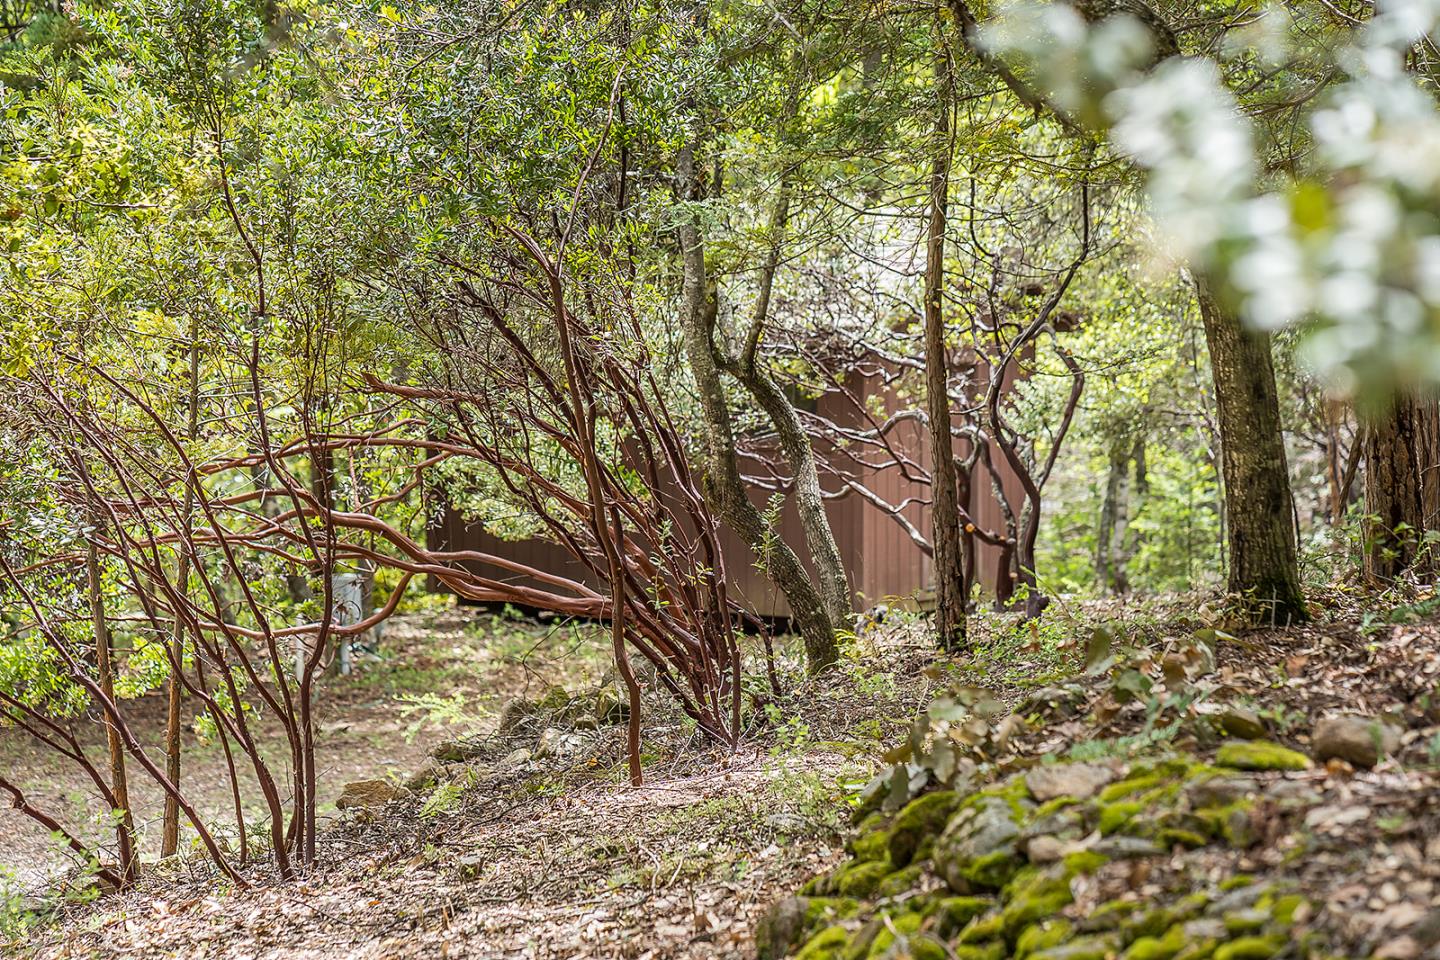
(900, 881)
(1230, 823)
(1152, 923)
(926, 947)
(1050, 807)
(1085, 948)
(872, 846)
(988, 927)
(1043, 897)
(1250, 948)
(829, 909)
(1084, 862)
(926, 850)
(1118, 814)
(1189, 907)
(1041, 936)
(922, 817)
(861, 879)
(952, 913)
(1237, 881)
(1246, 921)
(1175, 836)
(870, 823)
(1260, 755)
(978, 951)
(1111, 915)
(1131, 785)
(1284, 908)
(905, 924)
(992, 871)
(825, 945)
(1157, 948)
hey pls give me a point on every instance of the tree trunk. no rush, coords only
(950, 584)
(723, 484)
(170, 825)
(1112, 541)
(1402, 490)
(1260, 519)
(809, 502)
(104, 667)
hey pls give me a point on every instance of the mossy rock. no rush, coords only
(953, 913)
(1042, 936)
(1251, 948)
(1082, 948)
(922, 817)
(1116, 816)
(860, 879)
(1036, 898)
(978, 951)
(1260, 755)
(1129, 786)
(1253, 920)
(1156, 922)
(789, 921)
(1084, 862)
(981, 929)
(1113, 915)
(1284, 908)
(979, 849)
(1178, 837)
(828, 944)
(907, 926)
(871, 846)
(1157, 948)
(900, 881)
(1231, 823)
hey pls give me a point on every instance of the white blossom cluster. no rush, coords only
(1349, 246)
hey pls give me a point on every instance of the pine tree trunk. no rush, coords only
(950, 585)
(1260, 519)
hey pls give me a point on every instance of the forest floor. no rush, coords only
(534, 846)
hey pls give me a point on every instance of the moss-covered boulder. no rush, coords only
(1081, 948)
(860, 879)
(1032, 897)
(1260, 755)
(874, 845)
(979, 849)
(828, 944)
(922, 817)
(901, 881)
(790, 921)
(953, 913)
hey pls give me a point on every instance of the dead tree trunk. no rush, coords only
(1260, 520)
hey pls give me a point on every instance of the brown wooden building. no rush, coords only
(884, 562)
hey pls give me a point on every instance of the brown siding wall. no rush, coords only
(884, 563)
